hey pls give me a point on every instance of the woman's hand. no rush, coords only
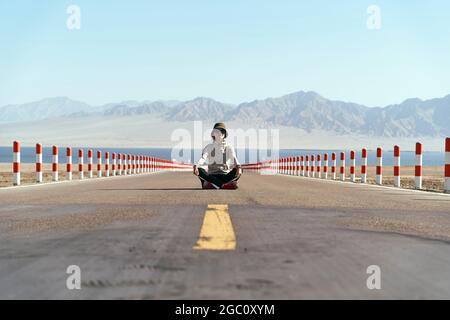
(239, 171)
(196, 172)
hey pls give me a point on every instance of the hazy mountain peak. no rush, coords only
(42, 109)
(200, 108)
(412, 101)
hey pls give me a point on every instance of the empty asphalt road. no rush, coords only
(158, 236)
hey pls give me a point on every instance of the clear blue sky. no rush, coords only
(233, 51)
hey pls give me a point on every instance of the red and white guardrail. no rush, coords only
(317, 166)
(115, 164)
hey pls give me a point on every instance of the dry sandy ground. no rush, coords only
(433, 179)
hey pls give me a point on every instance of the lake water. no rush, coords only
(407, 157)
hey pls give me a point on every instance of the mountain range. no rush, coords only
(303, 110)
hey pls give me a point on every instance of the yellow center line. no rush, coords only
(217, 231)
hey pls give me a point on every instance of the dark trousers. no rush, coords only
(218, 179)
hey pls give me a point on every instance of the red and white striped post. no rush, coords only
(114, 164)
(99, 164)
(144, 164)
(131, 164)
(55, 169)
(119, 164)
(90, 163)
(123, 165)
(69, 164)
(141, 164)
(307, 166)
(418, 175)
(294, 166)
(302, 166)
(325, 166)
(364, 165)
(39, 176)
(447, 166)
(352, 166)
(333, 166)
(107, 164)
(397, 166)
(379, 178)
(127, 165)
(298, 165)
(290, 166)
(342, 169)
(16, 163)
(313, 166)
(319, 166)
(81, 164)
(134, 165)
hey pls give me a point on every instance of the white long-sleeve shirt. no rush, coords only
(220, 158)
